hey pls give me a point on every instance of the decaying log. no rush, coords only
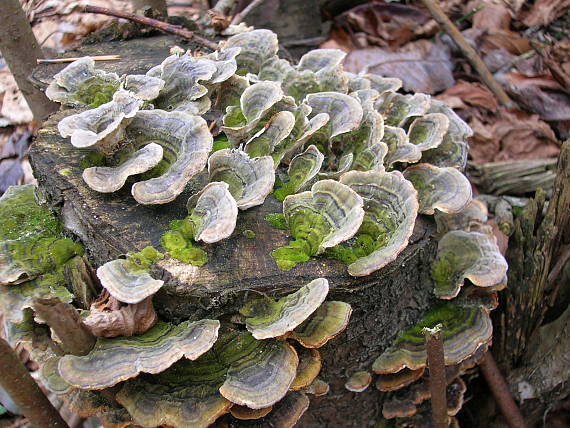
(384, 303)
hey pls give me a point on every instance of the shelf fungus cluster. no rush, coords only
(354, 162)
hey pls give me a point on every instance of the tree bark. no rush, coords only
(383, 303)
(21, 50)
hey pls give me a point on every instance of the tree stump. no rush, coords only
(383, 303)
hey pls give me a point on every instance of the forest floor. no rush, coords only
(525, 44)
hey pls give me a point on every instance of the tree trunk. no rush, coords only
(20, 49)
(383, 303)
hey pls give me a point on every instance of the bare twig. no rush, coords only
(63, 60)
(470, 53)
(437, 380)
(239, 17)
(154, 23)
(64, 320)
(501, 392)
(25, 392)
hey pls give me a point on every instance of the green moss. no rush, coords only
(91, 159)
(178, 242)
(261, 146)
(248, 233)
(443, 269)
(277, 220)
(234, 117)
(142, 260)
(221, 142)
(285, 190)
(66, 172)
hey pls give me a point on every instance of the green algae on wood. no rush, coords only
(31, 241)
(117, 359)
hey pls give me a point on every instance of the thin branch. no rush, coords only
(501, 392)
(470, 53)
(64, 320)
(64, 60)
(25, 392)
(437, 380)
(239, 17)
(154, 23)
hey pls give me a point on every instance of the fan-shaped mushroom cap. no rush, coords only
(184, 395)
(310, 363)
(339, 206)
(182, 75)
(80, 84)
(259, 372)
(399, 147)
(317, 59)
(255, 101)
(371, 158)
(249, 180)
(214, 212)
(102, 128)
(51, 379)
(391, 206)
(325, 324)
(467, 255)
(383, 84)
(266, 318)
(111, 179)
(256, 47)
(302, 169)
(445, 189)
(452, 152)
(114, 360)
(143, 86)
(474, 214)
(288, 411)
(126, 284)
(244, 413)
(276, 130)
(225, 62)
(359, 381)
(394, 381)
(427, 131)
(88, 403)
(187, 141)
(345, 112)
(465, 329)
(397, 108)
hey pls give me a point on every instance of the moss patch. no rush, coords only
(277, 220)
(178, 242)
(142, 260)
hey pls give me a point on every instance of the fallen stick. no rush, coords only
(239, 17)
(25, 392)
(501, 392)
(470, 53)
(63, 60)
(154, 23)
(437, 379)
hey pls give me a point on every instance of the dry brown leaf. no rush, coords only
(14, 110)
(514, 136)
(111, 318)
(423, 66)
(557, 59)
(472, 94)
(386, 24)
(493, 16)
(543, 12)
(542, 95)
(489, 40)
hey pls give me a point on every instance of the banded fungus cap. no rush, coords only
(256, 47)
(214, 212)
(359, 381)
(345, 112)
(317, 59)
(266, 318)
(427, 131)
(310, 363)
(325, 324)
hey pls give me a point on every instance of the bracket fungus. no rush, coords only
(473, 216)
(399, 147)
(127, 279)
(310, 363)
(302, 169)
(266, 318)
(117, 359)
(467, 255)
(323, 217)
(465, 329)
(390, 207)
(274, 131)
(397, 108)
(249, 180)
(101, 128)
(427, 131)
(325, 324)
(256, 47)
(445, 189)
(359, 381)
